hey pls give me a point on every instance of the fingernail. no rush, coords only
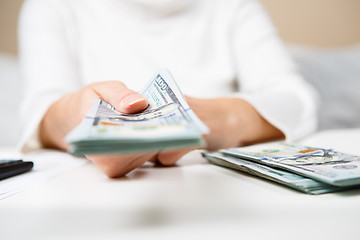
(133, 99)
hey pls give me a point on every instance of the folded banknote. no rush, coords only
(167, 123)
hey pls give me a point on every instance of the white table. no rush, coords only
(194, 200)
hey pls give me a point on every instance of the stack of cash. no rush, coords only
(167, 123)
(307, 169)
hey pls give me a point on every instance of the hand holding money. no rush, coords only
(118, 142)
(65, 114)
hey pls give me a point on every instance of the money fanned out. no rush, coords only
(292, 180)
(167, 123)
(311, 170)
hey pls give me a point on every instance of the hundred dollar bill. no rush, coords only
(324, 165)
(167, 123)
(288, 179)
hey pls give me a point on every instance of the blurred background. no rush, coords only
(322, 36)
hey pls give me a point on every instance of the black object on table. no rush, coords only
(12, 167)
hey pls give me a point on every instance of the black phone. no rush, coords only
(12, 167)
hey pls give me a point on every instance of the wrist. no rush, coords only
(249, 126)
(54, 125)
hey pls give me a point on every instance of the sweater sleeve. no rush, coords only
(267, 77)
(47, 65)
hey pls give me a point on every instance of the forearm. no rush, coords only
(255, 127)
(58, 121)
(52, 127)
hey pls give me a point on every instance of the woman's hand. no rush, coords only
(66, 113)
(232, 122)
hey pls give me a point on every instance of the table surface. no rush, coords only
(192, 200)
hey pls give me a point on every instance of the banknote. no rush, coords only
(324, 165)
(286, 178)
(167, 123)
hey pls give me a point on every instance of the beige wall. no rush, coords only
(323, 23)
(9, 10)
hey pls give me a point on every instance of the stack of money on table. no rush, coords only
(307, 169)
(167, 123)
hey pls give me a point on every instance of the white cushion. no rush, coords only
(335, 73)
(10, 98)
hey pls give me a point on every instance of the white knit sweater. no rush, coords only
(212, 47)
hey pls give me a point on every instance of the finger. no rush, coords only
(170, 158)
(119, 165)
(118, 95)
(153, 159)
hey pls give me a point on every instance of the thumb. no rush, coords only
(119, 96)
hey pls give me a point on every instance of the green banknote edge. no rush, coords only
(124, 147)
